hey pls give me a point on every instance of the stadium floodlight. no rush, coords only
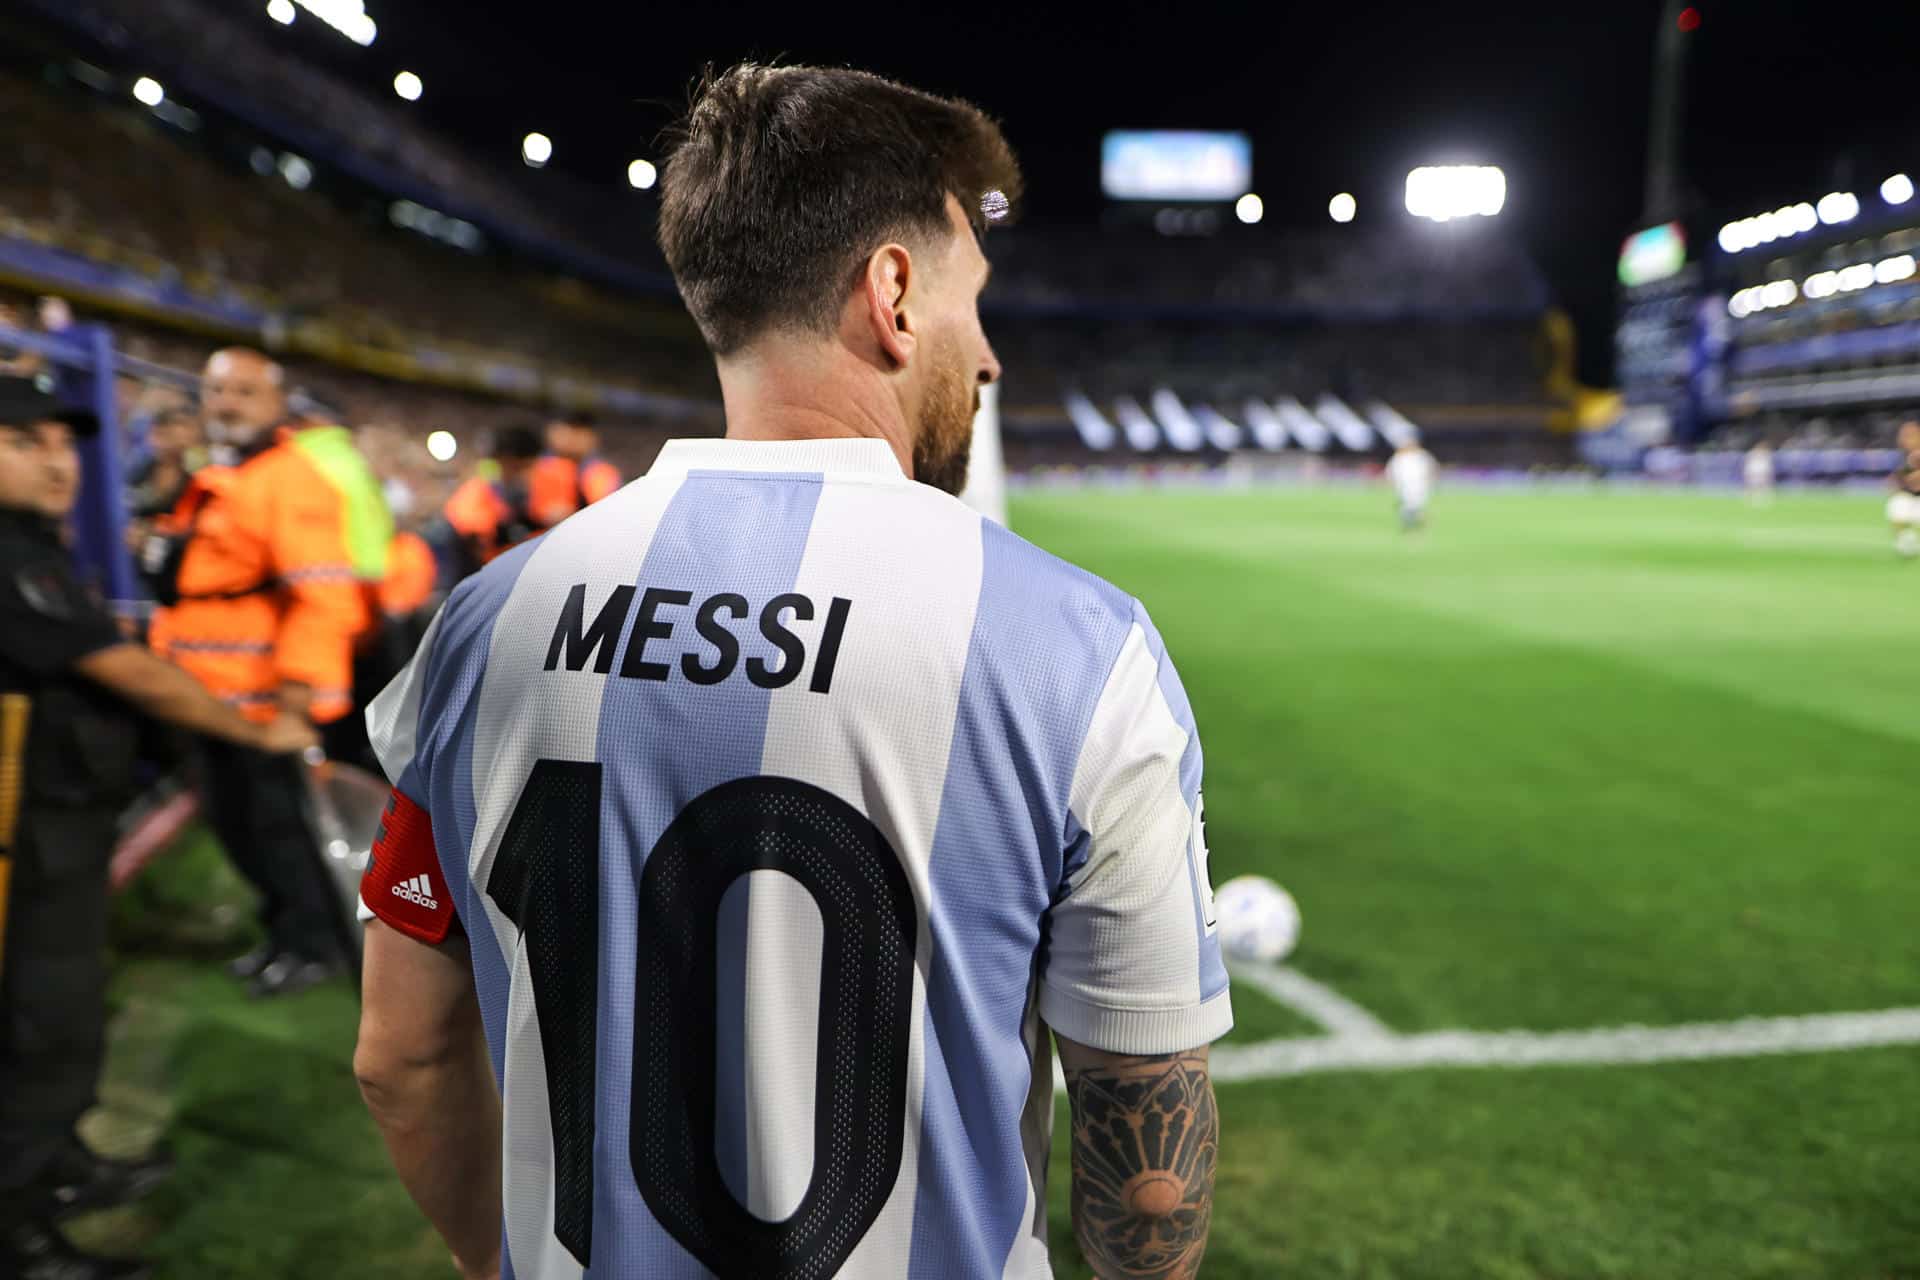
(1445, 192)
(1779, 224)
(147, 91)
(281, 11)
(1837, 207)
(441, 446)
(297, 172)
(1779, 293)
(348, 17)
(1897, 190)
(641, 175)
(408, 86)
(1738, 307)
(1856, 277)
(1249, 208)
(1893, 270)
(1821, 284)
(1342, 207)
(536, 149)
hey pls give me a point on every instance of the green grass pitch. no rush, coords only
(1568, 760)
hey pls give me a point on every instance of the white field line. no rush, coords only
(1604, 1046)
(1360, 1042)
(1310, 999)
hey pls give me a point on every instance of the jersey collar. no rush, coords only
(840, 455)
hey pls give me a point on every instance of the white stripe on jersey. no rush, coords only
(881, 741)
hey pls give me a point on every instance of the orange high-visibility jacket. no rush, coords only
(560, 486)
(267, 588)
(411, 575)
(480, 513)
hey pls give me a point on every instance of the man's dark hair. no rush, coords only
(782, 180)
(517, 444)
(581, 418)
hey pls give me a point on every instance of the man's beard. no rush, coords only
(235, 432)
(945, 438)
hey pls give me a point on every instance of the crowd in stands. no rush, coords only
(1434, 363)
(1857, 430)
(1449, 271)
(102, 177)
(228, 59)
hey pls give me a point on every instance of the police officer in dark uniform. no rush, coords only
(72, 689)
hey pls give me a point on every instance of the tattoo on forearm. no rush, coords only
(1146, 1138)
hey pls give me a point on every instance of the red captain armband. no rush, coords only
(403, 885)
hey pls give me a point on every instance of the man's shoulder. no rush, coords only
(1013, 563)
(283, 469)
(1013, 571)
(478, 598)
(37, 581)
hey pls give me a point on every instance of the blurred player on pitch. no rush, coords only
(1758, 471)
(1903, 505)
(1411, 471)
(759, 822)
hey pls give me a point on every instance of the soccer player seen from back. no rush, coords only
(757, 832)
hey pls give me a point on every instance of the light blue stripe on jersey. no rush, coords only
(442, 766)
(660, 746)
(1044, 637)
(1213, 965)
(443, 757)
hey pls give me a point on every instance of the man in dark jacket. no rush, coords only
(72, 688)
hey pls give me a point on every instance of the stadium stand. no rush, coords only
(412, 287)
(96, 179)
(209, 51)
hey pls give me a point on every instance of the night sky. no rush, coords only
(1786, 98)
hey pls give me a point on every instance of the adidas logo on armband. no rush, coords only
(418, 891)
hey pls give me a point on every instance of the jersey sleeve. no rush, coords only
(402, 886)
(1133, 961)
(393, 719)
(47, 622)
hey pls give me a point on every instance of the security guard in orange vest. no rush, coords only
(489, 512)
(571, 475)
(264, 607)
(71, 690)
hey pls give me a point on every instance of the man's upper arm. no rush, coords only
(417, 1001)
(1133, 959)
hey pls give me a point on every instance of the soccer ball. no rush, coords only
(1258, 919)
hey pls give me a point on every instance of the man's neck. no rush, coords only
(822, 393)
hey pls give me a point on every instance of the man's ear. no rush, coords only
(885, 286)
